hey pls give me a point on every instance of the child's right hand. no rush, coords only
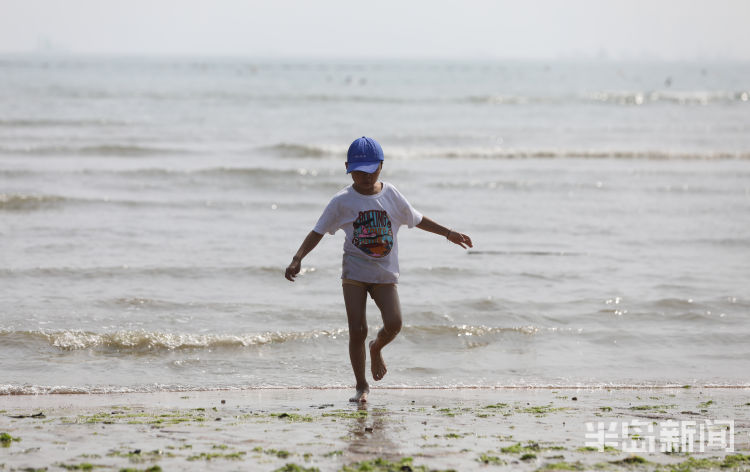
(293, 270)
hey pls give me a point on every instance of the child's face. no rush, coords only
(365, 182)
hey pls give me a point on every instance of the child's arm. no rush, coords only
(452, 236)
(308, 245)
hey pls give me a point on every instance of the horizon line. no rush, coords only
(59, 54)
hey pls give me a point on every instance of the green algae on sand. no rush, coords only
(384, 465)
(6, 439)
(562, 466)
(153, 468)
(488, 459)
(296, 468)
(346, 414)
(541, 410)
(217, 455)
(294, 417)
(280, 453)
(81, 466)
(630, 460)
(531, 446)
(730, 462)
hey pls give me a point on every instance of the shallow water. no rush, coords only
(148, 208)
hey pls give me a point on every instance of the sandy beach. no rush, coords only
(399, 429)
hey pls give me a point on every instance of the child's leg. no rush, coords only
(355, 299)
(386, 298)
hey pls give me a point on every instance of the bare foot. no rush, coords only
(377, 364)
(360, 396)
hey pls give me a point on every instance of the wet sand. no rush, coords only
(494, 429)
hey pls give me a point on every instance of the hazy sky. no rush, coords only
(660, 29)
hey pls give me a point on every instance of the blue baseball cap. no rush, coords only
(365, 155)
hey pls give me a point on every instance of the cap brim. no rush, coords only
(366, 167)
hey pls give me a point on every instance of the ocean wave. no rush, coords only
(23, 202)
(466, 330)
(11, 389)
(106, 150)
(442, 270)
(254, 172)
(304, 150)
(624, 97)
(489, 153)
(233, 96)
(343, 98)
(181, 272)
(687, 304)
(693, 97)
(321, 151)
(50, 123)
(257, 173)
(604, 97)
(474, 252)
(141, 341)
(618, 98)
(26, 389)
(149, 341)
(28, 203)
(728, 242)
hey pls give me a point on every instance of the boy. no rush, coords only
(370, 213)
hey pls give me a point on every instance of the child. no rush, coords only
(370, 213)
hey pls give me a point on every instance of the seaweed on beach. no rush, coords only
(208, 456)
(296, 468)
(293, 417)
(81, 466)
(34, 415)
(384, 465)
(6, 439)
(531, 446)
(730, 462)
(139, 417)
(490, 460)
(541, 410)
(280, 453)
(562, 466)
(596, 449)
(347, 414)
(630, 460)
(137, 456)
(657, 408)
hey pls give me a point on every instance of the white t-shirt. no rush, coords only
(371, 223)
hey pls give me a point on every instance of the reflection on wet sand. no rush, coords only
(370, 433)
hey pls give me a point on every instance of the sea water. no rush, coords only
(148, 208)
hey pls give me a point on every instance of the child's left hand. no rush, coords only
(292, 270)
(461, 239)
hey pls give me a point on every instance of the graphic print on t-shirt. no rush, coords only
(373, 233)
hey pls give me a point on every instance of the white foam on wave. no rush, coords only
(140, 340)
(13, 389)
(500, 152)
